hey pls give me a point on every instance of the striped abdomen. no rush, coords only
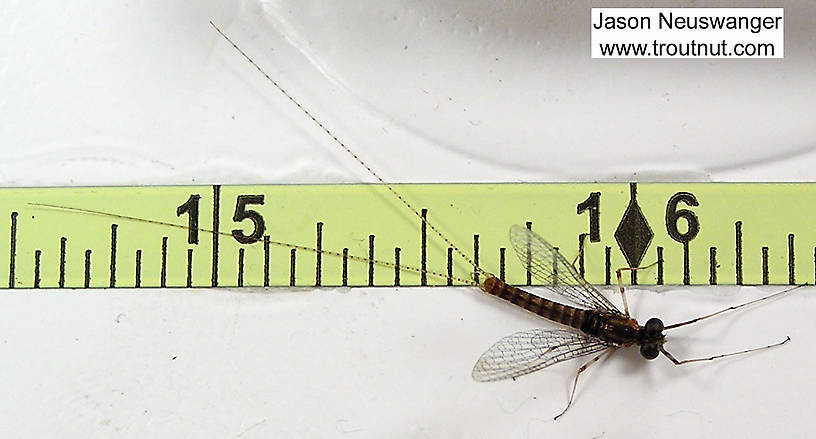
(566, 315)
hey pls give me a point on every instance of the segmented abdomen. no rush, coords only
(566, 315)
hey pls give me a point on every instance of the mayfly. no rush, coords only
(596, 324)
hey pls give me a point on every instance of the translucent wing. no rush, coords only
(529, 351)
(556, 273)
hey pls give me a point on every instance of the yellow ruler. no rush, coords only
(360, 235)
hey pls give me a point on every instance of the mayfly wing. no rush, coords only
(551, 268)
(529, 351)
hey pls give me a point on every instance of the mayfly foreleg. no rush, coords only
(714, 357)
(578, 375)
(732, 308)
(714, 314)
(619, 274)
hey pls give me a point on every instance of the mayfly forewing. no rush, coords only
(550, 267)
(528, 351)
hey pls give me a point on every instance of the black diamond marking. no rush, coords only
(633, 233)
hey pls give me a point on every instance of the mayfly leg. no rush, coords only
(735, 307)
(714, 314)
(581, 370)
(714, 357)
(619, 274)
(581, 242)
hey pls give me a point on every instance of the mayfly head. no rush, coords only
(651, 338)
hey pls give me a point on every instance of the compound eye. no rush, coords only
(649, 351)
(653, 328)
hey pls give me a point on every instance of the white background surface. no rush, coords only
(116, 92)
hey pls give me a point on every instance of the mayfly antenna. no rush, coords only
(405, 202)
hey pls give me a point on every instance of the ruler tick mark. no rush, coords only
(476, 257)
(659, 266)
(292, 267)
(344, 275)
(502, 252)
(371, 260)
(528, 268)
(216, 232)
(450, 266)
(686, 264)
(87, 268)
(113, 256)
(189, 268)
(423, 260)
(319, 255)
(37, 256)
(791, 261)
(12, 249)
(163, 276)
(608, 264)
(738, 250)
(764, 265)
(581, 238)
(138, 282)
(63, 243)
(396, 266)
(266, 260)
(241, 267)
